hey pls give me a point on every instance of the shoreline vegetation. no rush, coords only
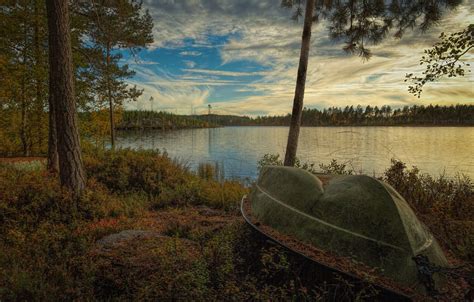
(149, 228)
(95, 127)
(359, 116)
(135, 120)
(353, 116)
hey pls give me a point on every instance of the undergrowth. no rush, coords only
(445, 205)
(48, 243)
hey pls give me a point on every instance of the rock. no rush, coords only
(206, 211)
(112, 240)
(138, 265)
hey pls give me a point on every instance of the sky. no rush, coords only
(241, 57)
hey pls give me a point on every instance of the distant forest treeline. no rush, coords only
(456, 115)
(144, 119)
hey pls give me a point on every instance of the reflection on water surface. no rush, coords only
(432, 149)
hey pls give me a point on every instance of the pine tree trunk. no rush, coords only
(111, 103)
(53, 161)
(24, 109)
(295, 123)
(71, 172)
(112, 122)
(38, 80)
(23, 125)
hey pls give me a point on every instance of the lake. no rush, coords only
(433, 150)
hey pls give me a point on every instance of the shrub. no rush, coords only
(47, 241)
(161, 268)
(275, 160)
(159, 179)
(43, 242)
(445, 205)
(207, 171)
(134, 171)
(335, 168)
(224, 195)
(31, 198)
(47, 262)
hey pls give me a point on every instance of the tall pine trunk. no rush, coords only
(38, 79)
(71, 172)
(24, 110)
(53, 158)
(109, 96)
(23, 125)
(53, 161)
(295, 123)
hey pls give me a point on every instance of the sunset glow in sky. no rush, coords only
(242, 56)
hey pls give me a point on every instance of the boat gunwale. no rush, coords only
(385, 289)
(329, 224)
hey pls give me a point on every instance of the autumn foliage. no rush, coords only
(197, 245)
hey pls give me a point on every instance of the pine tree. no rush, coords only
(357, 23)
(112, 26)
(23, 42)
(62, 96)
(292, 145)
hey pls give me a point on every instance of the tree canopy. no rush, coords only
(99, 78)
(359, 23)
(111, 26)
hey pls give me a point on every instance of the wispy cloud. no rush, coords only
(261, 32)
(191, 53)
(225, 73)
(189, 64)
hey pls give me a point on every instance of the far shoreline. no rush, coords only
(302, 126)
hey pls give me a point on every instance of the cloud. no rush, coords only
(191, 53)
(260, 31)
(189, 64)
(171, 99)
(224, 73)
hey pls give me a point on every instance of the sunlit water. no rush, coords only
(433, 150)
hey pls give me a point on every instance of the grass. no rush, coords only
(29, 164)
(202, 250)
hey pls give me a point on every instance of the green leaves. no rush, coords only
(445, 58)
(106, 27)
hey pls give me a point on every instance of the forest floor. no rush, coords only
(22, 159)
(148, 228)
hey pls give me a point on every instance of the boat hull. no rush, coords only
(352, 216)
(317, 271)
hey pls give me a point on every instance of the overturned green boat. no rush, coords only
(351, 215)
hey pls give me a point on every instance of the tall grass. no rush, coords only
(211, 171)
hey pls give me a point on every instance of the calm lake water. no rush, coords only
(433, 150)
